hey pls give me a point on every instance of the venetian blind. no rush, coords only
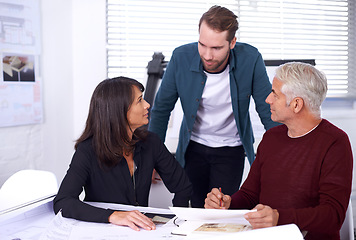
(323, 30)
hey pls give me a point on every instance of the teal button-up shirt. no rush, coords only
(184, 78)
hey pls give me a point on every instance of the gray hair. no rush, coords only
(305, 81)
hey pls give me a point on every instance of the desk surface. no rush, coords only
(39, 222)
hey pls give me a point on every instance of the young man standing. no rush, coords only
(214, 79)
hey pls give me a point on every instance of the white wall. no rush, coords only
(89, 55)
(72, 63)
(74, 31)
(46, 146)
(57, 74)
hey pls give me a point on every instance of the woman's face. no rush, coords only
(137, 114)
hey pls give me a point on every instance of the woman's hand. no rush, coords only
(133, 219)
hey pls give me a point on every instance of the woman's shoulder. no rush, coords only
(151, 138)
(84, 155)
(86, 144)
(85, 149)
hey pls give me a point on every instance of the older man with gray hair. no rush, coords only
(302, 173)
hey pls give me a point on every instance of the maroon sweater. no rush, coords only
(307, 179)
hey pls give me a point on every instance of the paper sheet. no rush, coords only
(62, 228)
(201, 214)
(290, 232)
(39, 222)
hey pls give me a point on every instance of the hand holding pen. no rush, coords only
(217, 200)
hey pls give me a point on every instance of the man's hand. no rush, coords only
(265, 216)
(133, 219)
(217, 200)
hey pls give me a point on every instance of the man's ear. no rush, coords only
(232, 43)
(298, 104)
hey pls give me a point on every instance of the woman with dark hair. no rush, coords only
(115, 157)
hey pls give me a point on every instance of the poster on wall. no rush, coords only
(20, 49)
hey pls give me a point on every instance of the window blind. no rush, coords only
(323, 30)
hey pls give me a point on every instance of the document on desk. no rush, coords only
(199, 223)
(209, 221)
(283, 232)
(62, 228)
(202, 214)
(70, 229)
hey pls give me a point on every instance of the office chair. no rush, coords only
(347, 228)
(27, 186)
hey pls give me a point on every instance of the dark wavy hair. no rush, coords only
(107, 121)
(221, 19)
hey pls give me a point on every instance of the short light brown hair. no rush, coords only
(221, 19)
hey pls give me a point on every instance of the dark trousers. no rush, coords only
(209, 168)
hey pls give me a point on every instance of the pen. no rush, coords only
(221, 197)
